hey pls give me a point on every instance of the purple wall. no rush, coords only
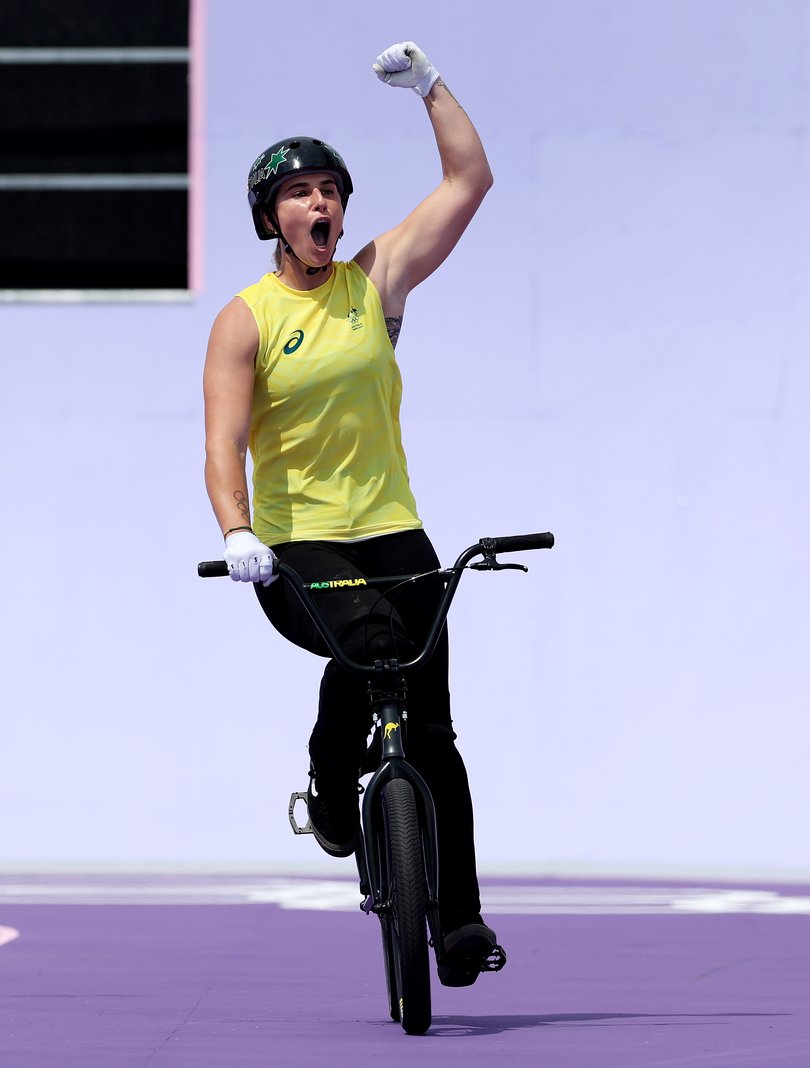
(616, 351)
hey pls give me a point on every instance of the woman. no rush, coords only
(301, 368)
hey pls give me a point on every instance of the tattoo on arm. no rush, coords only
(444, 85)
(394, 325)
(243, 506)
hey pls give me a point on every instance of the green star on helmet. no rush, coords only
(276, 160)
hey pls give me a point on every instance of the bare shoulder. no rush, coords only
(236, 317)
(234, 334)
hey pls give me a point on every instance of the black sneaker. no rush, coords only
(334, 813)
(466, 949)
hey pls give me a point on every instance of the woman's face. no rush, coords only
(310, 216)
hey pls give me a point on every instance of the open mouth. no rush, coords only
(320, 233)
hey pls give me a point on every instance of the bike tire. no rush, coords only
(408, 896)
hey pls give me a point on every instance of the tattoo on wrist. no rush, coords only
(394, 325)
(242, 505)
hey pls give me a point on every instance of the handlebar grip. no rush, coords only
(212, 569)
(516, 542)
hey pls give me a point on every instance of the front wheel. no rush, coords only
(408, 899)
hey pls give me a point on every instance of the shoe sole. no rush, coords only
(339, 851)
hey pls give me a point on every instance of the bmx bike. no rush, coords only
(397, 852)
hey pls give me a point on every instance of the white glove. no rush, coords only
(248, 559)
(406, 66)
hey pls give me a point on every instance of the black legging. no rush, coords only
(370, 626)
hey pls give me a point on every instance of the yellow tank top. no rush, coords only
(328, 462)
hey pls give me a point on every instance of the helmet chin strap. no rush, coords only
(291, 251)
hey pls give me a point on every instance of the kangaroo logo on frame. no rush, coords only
(389, 730)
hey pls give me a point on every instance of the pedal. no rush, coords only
(495, 961)
(296, 826)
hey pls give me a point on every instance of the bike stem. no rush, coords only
(387, 696)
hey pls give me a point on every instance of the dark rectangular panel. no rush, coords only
(93, 23)
(92, 118)
(94, 240)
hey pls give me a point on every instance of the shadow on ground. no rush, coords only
(459, 1026)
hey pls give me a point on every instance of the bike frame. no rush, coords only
(388, 699)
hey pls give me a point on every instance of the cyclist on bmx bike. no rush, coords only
(301, 370)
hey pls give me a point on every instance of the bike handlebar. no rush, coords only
(512, 543)
(515, 542)
(486, 547)
(212, 569)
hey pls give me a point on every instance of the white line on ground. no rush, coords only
(296, 892)
(8, 934)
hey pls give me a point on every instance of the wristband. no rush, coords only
(233, 529)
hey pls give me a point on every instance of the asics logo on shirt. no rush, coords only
(294, 343)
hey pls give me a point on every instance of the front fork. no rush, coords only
(390, 717)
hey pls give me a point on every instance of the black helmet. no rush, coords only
(296, 155)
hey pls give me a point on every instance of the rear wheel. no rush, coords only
(408, 897)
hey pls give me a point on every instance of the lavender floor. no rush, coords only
(208, 972)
